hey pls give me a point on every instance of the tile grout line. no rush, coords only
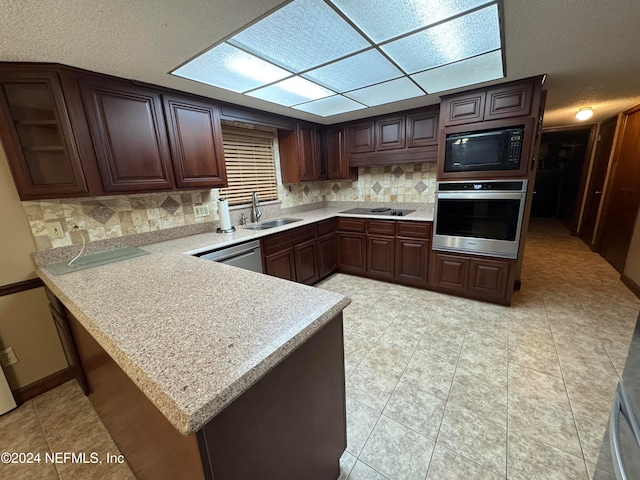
(564, 382)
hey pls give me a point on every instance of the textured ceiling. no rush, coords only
(587, 48)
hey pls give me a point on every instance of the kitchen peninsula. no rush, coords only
(195, 366)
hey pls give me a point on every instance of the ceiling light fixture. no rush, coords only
(328, 57)
(584, 113)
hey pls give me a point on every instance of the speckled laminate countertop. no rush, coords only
(193, 335)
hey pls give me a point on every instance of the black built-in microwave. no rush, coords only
(496, 149)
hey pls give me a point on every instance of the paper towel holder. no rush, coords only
(226, 230)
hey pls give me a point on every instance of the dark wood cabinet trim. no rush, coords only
(22, 286)
(31, 391)
(392, 157)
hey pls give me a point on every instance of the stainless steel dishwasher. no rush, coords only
(246, 255)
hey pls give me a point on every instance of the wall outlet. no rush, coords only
(8, 357)
(55, 230)
(201, 210)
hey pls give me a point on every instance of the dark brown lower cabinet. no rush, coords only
(306, 262)
(281, 264)
(488, 278)
(60, 314)
(412, 260)
(352, 253)
(327, 250)
(381, 257)
(450, 272)
(481, 278)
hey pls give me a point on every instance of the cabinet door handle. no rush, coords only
(621, 406)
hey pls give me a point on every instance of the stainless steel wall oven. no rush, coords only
(480, 217)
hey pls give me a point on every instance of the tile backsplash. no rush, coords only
(116, 216)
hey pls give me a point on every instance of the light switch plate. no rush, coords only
(201, 210)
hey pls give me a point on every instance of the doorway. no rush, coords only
(622, 199)
(561, 175)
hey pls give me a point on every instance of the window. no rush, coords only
(250, 165)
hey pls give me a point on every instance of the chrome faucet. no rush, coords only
(255, 211)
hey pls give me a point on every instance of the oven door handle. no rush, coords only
(480, 195)
(621, 406)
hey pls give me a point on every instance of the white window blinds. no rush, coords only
(250, 165)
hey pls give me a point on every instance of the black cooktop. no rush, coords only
(378, 211)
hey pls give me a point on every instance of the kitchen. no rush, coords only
(384, 176)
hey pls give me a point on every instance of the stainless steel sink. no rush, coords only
(278, 222)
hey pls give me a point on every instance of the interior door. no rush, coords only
(621, 206)
(598, 177)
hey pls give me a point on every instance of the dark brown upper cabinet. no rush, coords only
(72, 133)
(422, 129)
(408, 138)
(503, 101)
(463, 108)
(300, 158)
(36, 130)
(361, 137)
(195, 139)
(390, 133)
(129, 134)
(334, 152)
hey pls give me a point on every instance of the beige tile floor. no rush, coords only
(61, 420)
(438, 387)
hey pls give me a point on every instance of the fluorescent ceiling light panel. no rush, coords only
(383, 20)
(354, 72)
(309, 56)
(467, 36)
(227, 67)
(291, 91)
(387, 92)
(326, 107)
(482, 68)
(301, 35)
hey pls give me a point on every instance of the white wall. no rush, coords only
(25, 320)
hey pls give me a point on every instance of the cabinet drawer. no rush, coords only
(414, 229)
(325, 226)
(281, 241)
(381, 227)
(352, 224)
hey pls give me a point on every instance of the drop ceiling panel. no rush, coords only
(482, 68)
(355, 72)
(302, 35)
(291, 91)
(472, 34)
(227, 67)
(329, 106)
(392, 91)
(383, 20)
